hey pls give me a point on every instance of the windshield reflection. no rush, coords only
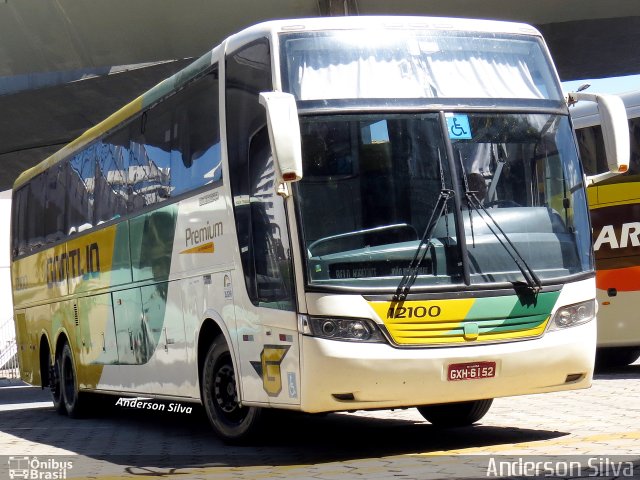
(372, 182)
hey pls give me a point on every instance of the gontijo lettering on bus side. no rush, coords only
(77, 263)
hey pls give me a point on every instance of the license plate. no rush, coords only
(471, 371)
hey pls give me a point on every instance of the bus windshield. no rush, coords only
(372, 182)
(392, 64)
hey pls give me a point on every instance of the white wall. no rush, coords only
(6, 302)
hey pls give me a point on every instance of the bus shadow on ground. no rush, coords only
(127, 438)
(629, 372)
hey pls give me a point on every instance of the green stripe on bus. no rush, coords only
(152, 235)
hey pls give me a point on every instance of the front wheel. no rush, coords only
(232, 422)
(460, 414)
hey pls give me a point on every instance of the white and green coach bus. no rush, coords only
(318, 215)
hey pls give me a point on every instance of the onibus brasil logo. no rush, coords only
(40, 469)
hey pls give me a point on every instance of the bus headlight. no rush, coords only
(346, 329)
(572, 315)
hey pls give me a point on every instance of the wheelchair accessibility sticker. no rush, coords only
(458, 126)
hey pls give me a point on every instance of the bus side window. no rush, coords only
(36, 210)
(269, 239)
(149, 174)
(81, 181)
(56, 190)
(19, 233)
(195, 155)
(111, 179)
(634, 136)
(248, 74)
(591, 146)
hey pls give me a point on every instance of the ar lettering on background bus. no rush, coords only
(76, 263)
(628, 236)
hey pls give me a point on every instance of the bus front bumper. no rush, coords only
(352, 376)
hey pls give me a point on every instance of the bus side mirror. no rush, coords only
(284, 134)
(615, 131)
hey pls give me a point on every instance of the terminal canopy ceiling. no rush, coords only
(65, 65)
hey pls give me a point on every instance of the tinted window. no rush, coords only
(149, 167)
(19, 220)
(82, 167)
(175, 146)
(195, 155)
(592, 153)
(260, 223)
(36, 212)
(169, 150)
(634, 136)
(55, 192)
(271, 254)
(111, 185)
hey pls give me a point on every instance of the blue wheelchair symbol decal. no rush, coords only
(458, 126)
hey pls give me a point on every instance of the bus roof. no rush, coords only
(390, 22)
(269, 28)
(585, 114)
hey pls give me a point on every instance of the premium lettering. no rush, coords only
(195, 236)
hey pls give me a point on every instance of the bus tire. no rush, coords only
(460, 414)
(55, 385)
(71, 396)
(612, 357)
(230, 421)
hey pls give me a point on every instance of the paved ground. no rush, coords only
(596, 425)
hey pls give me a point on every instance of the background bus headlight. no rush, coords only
(572, 315)
(349, 329)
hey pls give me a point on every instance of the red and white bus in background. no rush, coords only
(615, 216)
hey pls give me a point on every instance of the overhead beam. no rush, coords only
(337, 8)
(34, 124)
(594, 48)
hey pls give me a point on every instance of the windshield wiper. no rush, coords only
(531, 278)
(409, 277)
(407, 280)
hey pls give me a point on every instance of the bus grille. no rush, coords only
(466, 321)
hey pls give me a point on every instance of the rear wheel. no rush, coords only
(460, 414)
(616, 356)
(71, 396)
(54, 384)
(232, 422)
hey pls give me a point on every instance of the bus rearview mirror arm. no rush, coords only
(284, 135)
(615, 131)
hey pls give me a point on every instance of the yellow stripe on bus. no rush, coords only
(614, 194)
